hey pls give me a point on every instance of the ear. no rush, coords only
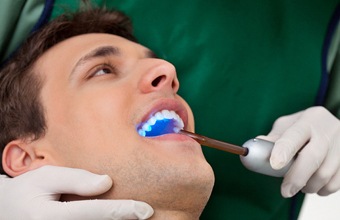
(19, 157)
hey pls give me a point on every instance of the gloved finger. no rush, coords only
(96, 209)
(332, 186)
(3, 179)
(270, 138)
(283, 123)
(324, 174)
(304, 166)
(290, 142)
(63, 180)
(280, 126)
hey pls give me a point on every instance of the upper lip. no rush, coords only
(168, 104)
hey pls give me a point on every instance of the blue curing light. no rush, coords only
(164, 126)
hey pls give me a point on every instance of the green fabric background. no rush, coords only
(241, 65)
(17, 18)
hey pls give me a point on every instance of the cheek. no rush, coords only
(90, 129)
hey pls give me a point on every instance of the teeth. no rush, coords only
(168, 115)
(176, 130)
(159, 116)
(146, 127)
(164, 114)
(141, 132)
(152, 121)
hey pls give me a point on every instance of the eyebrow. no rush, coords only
(103, 51)
(150, 54)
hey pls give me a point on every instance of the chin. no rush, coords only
(205, 188)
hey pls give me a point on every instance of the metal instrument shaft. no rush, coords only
(220, 145)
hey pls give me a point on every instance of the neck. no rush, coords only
(174, 215)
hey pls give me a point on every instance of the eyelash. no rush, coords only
(104, 66)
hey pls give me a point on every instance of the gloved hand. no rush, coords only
(35, 195)
(315, 135)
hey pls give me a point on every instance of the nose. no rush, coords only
(160, 76)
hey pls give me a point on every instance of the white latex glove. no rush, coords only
(35, 195)
(317, 166)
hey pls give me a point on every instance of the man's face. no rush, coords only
(97, 90)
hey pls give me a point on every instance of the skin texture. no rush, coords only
(93, 104)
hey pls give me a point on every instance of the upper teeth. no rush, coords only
(164, 114)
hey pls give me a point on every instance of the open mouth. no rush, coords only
(160, 123)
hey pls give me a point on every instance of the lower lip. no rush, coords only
(172, 137)
(183, 143)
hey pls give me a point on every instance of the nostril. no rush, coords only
(174, 84)
(156, 81)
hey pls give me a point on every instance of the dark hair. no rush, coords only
(21, 110)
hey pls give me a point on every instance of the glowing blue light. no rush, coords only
(165, 126)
